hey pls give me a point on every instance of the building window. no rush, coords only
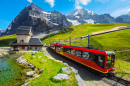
(22, 41)
(35, 48)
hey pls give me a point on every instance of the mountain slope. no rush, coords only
(81, 30)
(39, 19)
(125, 17)
(84, 16)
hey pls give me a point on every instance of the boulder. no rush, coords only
(30, 73)
(61, 76)
(66, 70)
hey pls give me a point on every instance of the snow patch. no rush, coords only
(46, 12)
(76, 13)
(89, 21)
(54, 23)
(77, 16)
(74, 22)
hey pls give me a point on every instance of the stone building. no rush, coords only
(25, 41)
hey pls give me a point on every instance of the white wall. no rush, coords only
(38, 49)
(26, 38)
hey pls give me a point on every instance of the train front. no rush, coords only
(110, 62)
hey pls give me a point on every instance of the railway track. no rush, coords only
(120, 80)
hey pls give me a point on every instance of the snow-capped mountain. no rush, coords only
(84, 16)
(39, 19)
(1, 31)
(124, 18)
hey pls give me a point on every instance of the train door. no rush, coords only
(61, 50)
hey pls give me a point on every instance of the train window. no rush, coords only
(99, 59)
(78, 53)
(68, 50)
(65, 49)
(91, 56)
(73, 52)
(85, 55)
(51, 45)
(110, 61)
(57, 48)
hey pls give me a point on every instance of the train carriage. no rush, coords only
(101, 61)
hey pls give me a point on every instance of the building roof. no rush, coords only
(23, 30)
(35, 41)
(32, 41)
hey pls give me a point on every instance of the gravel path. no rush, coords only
(89, 78)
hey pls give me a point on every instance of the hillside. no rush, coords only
(115, 41)
(80, 30)
(5, 40)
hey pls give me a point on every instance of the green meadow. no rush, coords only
(51, 69)
(80, 30)
(5, 40)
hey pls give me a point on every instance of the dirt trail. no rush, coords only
(112, 29)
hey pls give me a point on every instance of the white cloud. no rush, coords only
(102, 0)
(51, 2)
(78, 3)
(29, 1)
(121, 11)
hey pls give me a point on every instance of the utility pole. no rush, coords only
(70, 40)
(88, 40)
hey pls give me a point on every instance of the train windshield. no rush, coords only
(110, 61)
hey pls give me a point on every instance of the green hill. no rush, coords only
(80, 30)
(5, 40)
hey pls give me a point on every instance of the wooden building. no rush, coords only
(25, 41)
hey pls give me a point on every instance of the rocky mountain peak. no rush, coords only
(81, 12)
(40, 20)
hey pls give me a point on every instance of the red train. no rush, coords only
(99, 60)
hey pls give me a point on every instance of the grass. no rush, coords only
(115, 41)
(6, 40)
(122, 68)
(81, 30)
(51, 68)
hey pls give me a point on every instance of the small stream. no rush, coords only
(9, 70)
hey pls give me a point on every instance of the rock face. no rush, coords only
(1, 31)
(39, 19)
(84, 16)
(124, 18)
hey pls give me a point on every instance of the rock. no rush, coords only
(39, 56)
(66, 70)
(33, 53)
(74, 70)
(40, 72)
(61, 76)
(66, 64)
(30, 73)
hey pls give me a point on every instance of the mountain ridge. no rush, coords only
(84, 16)
(40, 20)
(47, 21)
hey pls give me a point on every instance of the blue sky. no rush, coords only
(9, 9)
